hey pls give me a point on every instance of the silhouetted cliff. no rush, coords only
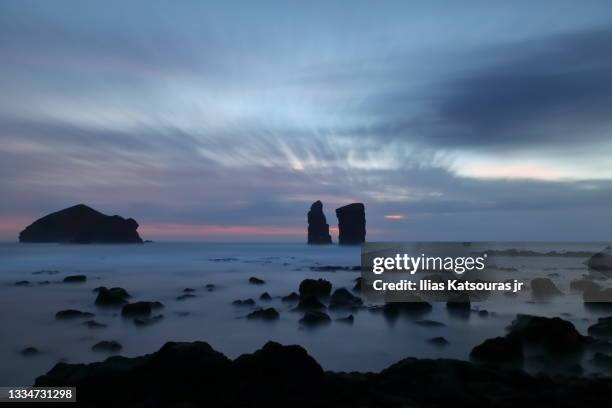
(351, 224)
(318, 229)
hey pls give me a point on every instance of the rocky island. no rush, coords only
(81, 224)
(351, 224)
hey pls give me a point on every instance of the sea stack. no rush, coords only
(318, 229)
(81, 224)
(351, 224)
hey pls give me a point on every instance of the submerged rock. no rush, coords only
(318, 229)
(498, 350)
(111, 297)
(602, 329)
(265, 314)
(348, 319)
(72, 314)
(75, 279)
(185, 297)
(256, 281)
(22, 283)
(315, 318)
(429, 323)
(601, 261)
(357, 287)
(438, 341)
(81, 224)
(554, 334)
(147, 321)
(351, 224)
(92, 324)
(244, 302)
(544, 288)
(309, 303)
(29, 351)
(416, 307)
(292, 297)
(343, 298)
(265, 296)
(316, 288)
(140, 308)
(107, 346)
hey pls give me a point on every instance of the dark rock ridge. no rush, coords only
(318, 229)
(82, 225)
(351, 224)
(194, 374)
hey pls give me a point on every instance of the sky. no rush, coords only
(224, 121)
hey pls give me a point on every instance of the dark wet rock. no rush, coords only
(309, 303)
(318, 229)
(185, 297)
(256, 281)
(111, 346)
(343, 298)
(348, 319)
(194, 375)
(315, 318)
(351, 224)
(72, 314)
(244, 302)
(483, 313)
(45, 272)
(111, 297)
(189, 290)
(22, 283)
(92, 324)
(81, 224)
(75, 279)
(498, 350)
(555, 335)
(415, 307)
(601, 261)
(140, 308)
(544, 288)
(265, 296)
(318, 288)
(357, 287)
(438, 341)
(264, 314)
(459, 304)
(602, 329)
(292, 297)
(44, 282)
(582, 285)
(429, 323)
(602, 360)
(29, 351)
(210, 287)
(147, 321)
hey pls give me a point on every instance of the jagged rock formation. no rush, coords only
(352, 224)
(83, 225)
(194, 374)
(318, 229)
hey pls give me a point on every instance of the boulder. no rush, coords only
(415, 307)
(602, 329)
(601, 261)
(438, 341)
(81, 224)
(498, 350)
(315, 318)
(111, 346)
(319, 288)
(265, 297)
(554, 334)
(351, 224)
(543, 289)
(92, 324)
(256, 281)
(291, 298)
(309, 303)
(264, 314)
(343, 298)
(29, 351)
(244, 302)
(75, 279)
(111, 297)
(318, 229)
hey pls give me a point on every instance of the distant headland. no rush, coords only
(81, 224)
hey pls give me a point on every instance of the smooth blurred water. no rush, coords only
(160, 271)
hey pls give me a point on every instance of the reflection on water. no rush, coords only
(160, 272)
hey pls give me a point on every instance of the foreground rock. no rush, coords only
(72, 314)
(264, 314)
(140, 308)
(318, 229)
(111, 297)
(111, 346)
(193, 374)
(499, 350)
(601, 261)
(75, 279)
(318, 288)
(315, 318)
(83, 225)
(602, 329)
(342, 298)
(351, 224)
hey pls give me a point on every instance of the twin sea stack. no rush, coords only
(351, 224)
(81, 224)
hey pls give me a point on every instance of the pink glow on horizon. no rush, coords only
(207, 230)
